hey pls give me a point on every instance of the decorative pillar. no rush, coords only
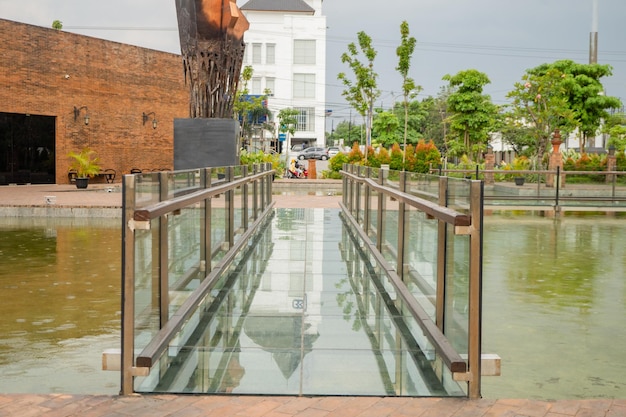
(611, 164)
(556, 159)
(490, 163)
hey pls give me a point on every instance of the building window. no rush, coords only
(270, 53)
(256, 53)
(270, 85)
(306, 119)
(303, 85)
(304, 52)
(255, 85)
(246, 58)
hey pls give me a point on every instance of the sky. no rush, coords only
(502, 38)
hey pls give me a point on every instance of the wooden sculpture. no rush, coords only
(212, 47)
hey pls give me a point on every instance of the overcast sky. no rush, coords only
(501, 38)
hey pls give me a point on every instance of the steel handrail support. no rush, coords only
(475, 291)
(128, 286)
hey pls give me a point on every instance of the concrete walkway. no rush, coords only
(58, 405)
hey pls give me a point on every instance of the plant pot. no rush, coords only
(519, 180)
(82, 182)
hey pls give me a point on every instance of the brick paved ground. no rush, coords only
(58, 405)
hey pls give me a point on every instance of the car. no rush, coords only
(297, 148)
(333, 150)
(314, 153)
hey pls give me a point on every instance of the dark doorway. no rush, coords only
(27, 148)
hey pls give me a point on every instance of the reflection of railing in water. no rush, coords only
(230, 198)
(366, 195)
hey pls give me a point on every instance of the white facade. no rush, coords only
(287, 51)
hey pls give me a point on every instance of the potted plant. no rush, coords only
(86, 165)
(521, 163)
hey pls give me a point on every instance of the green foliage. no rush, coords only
(409, 88)
(396, 161)
(615, 126)
(584, 93)
(472, 112)
(426, 156)
(539, 106)
(385, 128)
(86, 163)
(336, 162)
(259, 157)
(363, 91)
(57, 25)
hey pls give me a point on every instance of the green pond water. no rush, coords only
(554, 305)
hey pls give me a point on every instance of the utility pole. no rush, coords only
(593, 37)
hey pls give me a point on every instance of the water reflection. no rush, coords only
(555, 302)
(60, 282)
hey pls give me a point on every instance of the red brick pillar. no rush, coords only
(611, 164)
(490, 163)
(556, 159)
(312, 169)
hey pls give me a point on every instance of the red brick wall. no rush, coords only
(117, 83)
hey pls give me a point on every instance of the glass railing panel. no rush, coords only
(420, 258)
(146, 269)
(184, 182)
(390, 231)
(372, 230)
(184, 246)
(459, 194)
(146, 189)
(219, 224)
(457, 291)
(423, 186)
(238, 212)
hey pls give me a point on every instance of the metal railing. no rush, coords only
(556, 190)
(181, 229)
(425, 233)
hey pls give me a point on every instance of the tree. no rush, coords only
(539, 107)
(409, 89)
(363, 91)
(347, 131)
(251, 111)
(385, 128)
(57, 25)
(615, 126)
(288, 120)
(584, 94)
(472, 113)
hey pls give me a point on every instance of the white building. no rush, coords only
(286, 47)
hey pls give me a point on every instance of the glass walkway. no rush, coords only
(302, 313)
(224, 293)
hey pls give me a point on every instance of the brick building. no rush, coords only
(61, 92)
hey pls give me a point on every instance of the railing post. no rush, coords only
(128, 285)
(163, 253)
(230, 208)
(244, 199)
(367, 203)
(207, 246)
(379, 214)
(255, 192)
(401, 227)
(442, 243)
(475, 290)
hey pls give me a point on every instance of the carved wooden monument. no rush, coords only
(212, 47)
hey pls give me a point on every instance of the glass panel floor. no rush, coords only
(300, 316)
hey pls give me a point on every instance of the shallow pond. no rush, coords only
(554, 305)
